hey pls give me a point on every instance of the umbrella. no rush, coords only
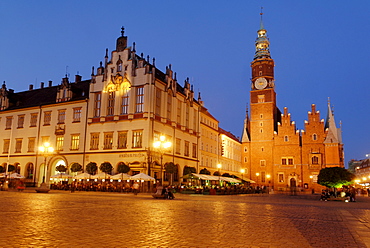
(61, 175)
(122, 176)
(16, 176)
(143, 176)
(101, 175)
(82, 176)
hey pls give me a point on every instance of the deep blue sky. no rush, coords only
(321, 49)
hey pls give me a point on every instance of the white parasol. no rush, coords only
(83, 176)
(101, 175)
(15, 176)
(122, 176)
(143, 176)
(61, 175)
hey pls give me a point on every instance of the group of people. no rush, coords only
(345, 192)
(164, 192)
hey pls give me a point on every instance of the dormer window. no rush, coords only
(119, 67)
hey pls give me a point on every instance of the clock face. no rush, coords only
(260, 83)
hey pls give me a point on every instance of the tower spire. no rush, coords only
(262, 42)
(261, 21)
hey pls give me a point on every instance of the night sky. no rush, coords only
(320, 48)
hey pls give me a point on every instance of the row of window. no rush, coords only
(286, 161)
(77, 112)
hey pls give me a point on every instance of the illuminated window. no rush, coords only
(59, 143)
(137, 138)
(262, 162)
(261, 98)
(75, 141)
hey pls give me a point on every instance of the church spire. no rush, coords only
(334, 134)
(262, 42)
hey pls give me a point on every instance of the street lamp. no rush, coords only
(257, 175)
(46, 150)
(162, 145)
(268, 178)
(219, 173)
(242, 171)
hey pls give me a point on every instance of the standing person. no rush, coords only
(136, 188)
(368, 192)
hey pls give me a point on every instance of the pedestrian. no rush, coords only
(136, 188)
(368, 192)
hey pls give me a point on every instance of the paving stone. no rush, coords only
(95, 219)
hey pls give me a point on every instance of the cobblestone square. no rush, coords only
(94, 219)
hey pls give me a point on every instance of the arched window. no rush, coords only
(314, 136)
(29, 171)
(315, 160)
(286, 138)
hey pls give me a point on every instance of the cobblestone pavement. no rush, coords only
(94, 219)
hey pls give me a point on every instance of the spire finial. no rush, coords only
(261, 22)
(122, 31)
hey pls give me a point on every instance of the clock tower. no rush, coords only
(262, 94)
(258, 140)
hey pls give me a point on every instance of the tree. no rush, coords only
(123, 168)
(216, 173)
(189, 170)
(335, 177)
(205, 172)
(106, 167)
(226, 175)
(91, 168)
(11, 168)
(2, 169)
(76, 167)
(171, 168)
(61, 168)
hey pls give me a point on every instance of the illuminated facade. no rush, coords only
(275, 153)
(116, 116)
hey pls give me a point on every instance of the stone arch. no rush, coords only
(29, 172)
(17, 167)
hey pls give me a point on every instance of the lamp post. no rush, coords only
(162, 145)
(46, 150)
(219, 173)
(268, 178)
(257, 175)
(242, 171)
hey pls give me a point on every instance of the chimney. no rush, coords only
(42, 85)
(31, 87)
(78, 78)
(50, 83)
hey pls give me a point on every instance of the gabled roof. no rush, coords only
(46, 95)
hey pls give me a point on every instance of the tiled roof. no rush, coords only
(46, 95)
